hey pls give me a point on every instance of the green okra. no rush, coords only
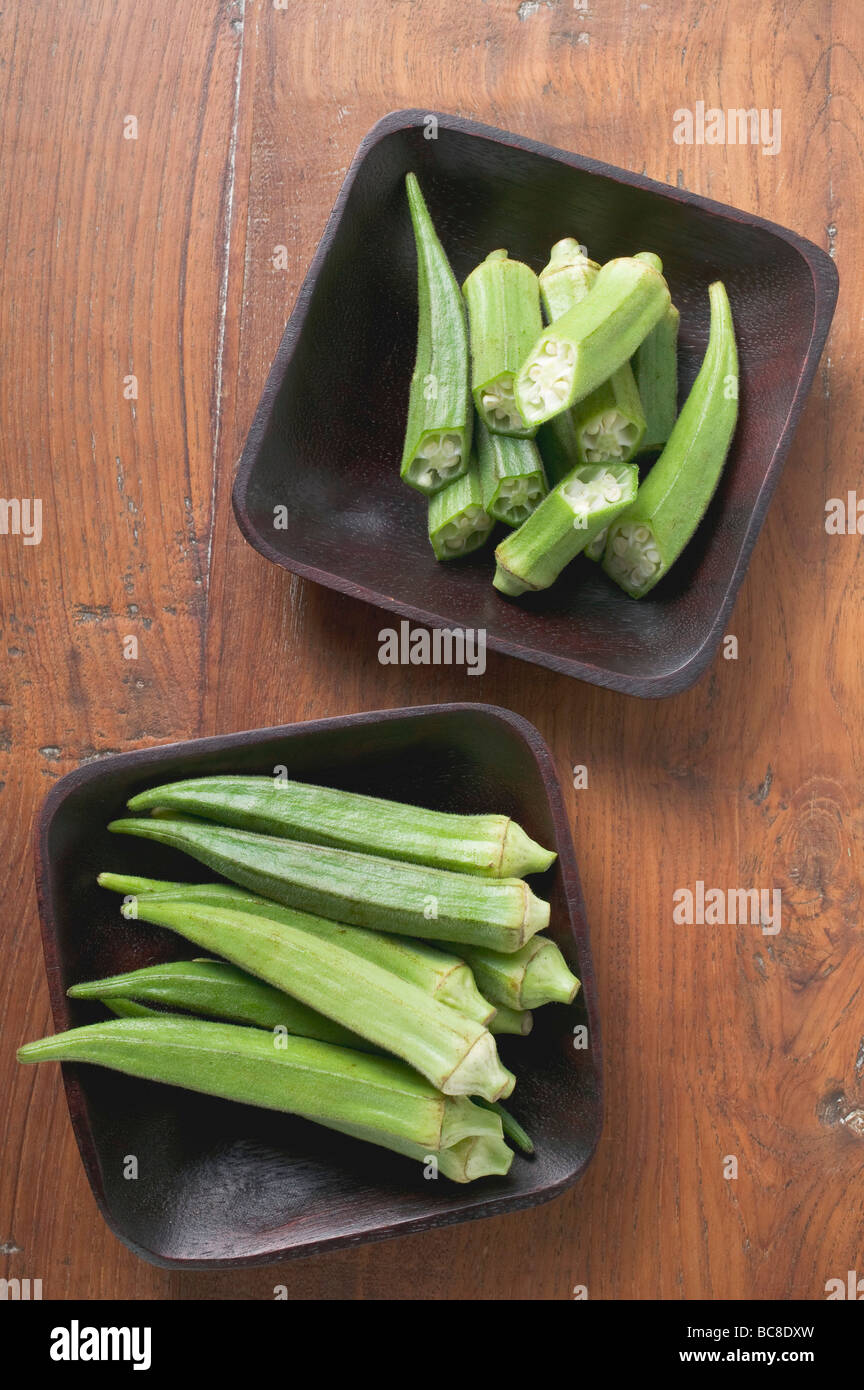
(455, 1053)
(504, 320)
(566, 278)
(516, 1021)
(458, 522)
(566, 521)
(481, 1156)
(362, 890)
(511, 1126)
(594, 549)
(534, 975)
(581, 349)
(440, 412)
(646, 539)
(218, 990)
(332, 1085)
(556, 441)
(490, 846)
(441, 975)
(512, 476)
(655, 367)
(129, 1008)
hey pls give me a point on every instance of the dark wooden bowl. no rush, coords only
(225, 1184)
(327, 436)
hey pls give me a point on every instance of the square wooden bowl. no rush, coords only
(318, 488)
(222, 1184)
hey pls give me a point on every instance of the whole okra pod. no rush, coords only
(455, 1053)
(487, 845)
(646, 540)
(504, 320)
(440, 412)
(482, 1156)
(360, 889)
(331, 1085)
(564, 523)
(441, 975)
(581, 350)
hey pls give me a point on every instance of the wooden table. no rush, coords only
(157, 156)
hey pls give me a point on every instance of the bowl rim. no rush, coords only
(825, 279)
(493, 1204)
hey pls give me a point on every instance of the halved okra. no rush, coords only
(512, 476)
(332, 1085)
(440, 413)
(360, 889)
(647, 538)
(491, 846)
(581, 350)
(503, 300)
(441, 975)
(655, 368)
(564, 523)
(453, 1052)
(458, 521)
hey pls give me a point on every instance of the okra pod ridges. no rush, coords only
(535, 975)
(491, 846)
(454, 1053)
(503, 299)
(647, 538)
(301, 1076)
(440, 413)
(359, 889)
(440, 974)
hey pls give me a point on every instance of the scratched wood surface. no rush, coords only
(152, 258)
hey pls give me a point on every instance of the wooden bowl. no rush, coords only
(318, 488)
(222, 1184)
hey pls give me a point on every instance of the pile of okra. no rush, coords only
(542, 428)
(363, 957)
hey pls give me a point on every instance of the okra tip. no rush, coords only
(521, 855)
(481, 1072)
(507, 583)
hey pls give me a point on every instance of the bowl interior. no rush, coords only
(224, 1182)
(319, 488)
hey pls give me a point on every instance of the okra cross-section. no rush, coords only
(565, 522)
(503, 299)
(647, 538)
(511, 474)
(360, 889)
(440, 412)
(581, 349)
(454, 1053)
(458, 521)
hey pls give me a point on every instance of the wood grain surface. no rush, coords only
(155, 257)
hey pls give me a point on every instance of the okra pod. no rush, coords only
(458, 522)
(511, 1126)
(481, 1156)
(534, 975)
(455, 1053)
(565, 522)
(566, 278)
(581, 349)
(441, 975)
(302, 1076)
(218, 990)
(504, 320)
(646, 539)
(556, 441)
(362, 890)
(594, 549)
(488, 845)
(655, 367)
(512, 477)
(440, 412)
(516, 1021)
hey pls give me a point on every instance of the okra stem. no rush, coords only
(490, 846)
(299, 1075)
(360, 889)
(455, 1053)
(439, 974)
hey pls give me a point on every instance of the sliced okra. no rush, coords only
(585, 502)
(503, 300)
(458, 521)
(610, 423)
(646, 539)
(581, 349)
(594, 549)
(512, 477)
(566, 278)
(655, 367)
(440, 414)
